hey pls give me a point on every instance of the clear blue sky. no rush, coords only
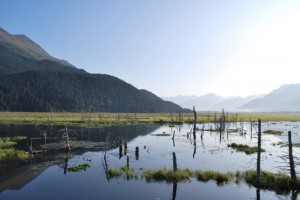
(170, 47)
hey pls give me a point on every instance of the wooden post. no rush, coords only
(125, 146)
(291, 159)
(128, 162)
(137, 153)
(120, 149)
(258, 154)
(174, 162)
(195, 120)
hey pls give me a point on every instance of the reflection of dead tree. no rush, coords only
(66, 163)
(174, 190)
(105, 166)
(173, 139)
(66, 138)
(258, 154)
(195, 147)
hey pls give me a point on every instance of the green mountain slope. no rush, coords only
(23, 46)
(65, 91)
(32, 80)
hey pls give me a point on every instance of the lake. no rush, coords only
(45, 175)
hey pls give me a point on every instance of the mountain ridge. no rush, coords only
(32, 80)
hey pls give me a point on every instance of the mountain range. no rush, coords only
(32, 80)
(283, 99)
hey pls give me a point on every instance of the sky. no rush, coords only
(169, 47)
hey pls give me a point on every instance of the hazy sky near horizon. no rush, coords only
(169, 47)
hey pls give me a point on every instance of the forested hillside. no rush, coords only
(32, 80)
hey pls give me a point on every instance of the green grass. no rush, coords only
(12, 153)
(108, 119)
(276, 182)
(167, 175)
(245, 148)
(129, 172)
(219, 177)
(274, 132)
(6, 142)
(78, 168)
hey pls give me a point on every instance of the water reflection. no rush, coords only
(145, 150)
(55, 140)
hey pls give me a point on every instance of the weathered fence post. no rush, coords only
(127, 162)
(174, 162)
(291, 159)
(258, 154)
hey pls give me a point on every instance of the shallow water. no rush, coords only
(43, 177)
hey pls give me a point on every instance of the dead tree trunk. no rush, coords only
(67, 141)
(137, 155)
(195, 120)
(258, 154)
(174, 162)
(127, 162)
(291, 159)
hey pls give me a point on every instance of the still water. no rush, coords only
(43, 176)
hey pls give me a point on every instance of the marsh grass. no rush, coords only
(115, 173)
(78, 168)
(245, 148)
(219, 177)
(167, 175)
(12, 153)
(278, 182)
(10, 141)
(108, 119)
(270, 181)
(273, 132)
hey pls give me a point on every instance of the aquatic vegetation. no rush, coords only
(115, 173)
(78, 168)
(274, 132)
(167, 175)
(219, 177)
(161, 134)
(245, 148)
(12, 153)
(10, 141)
(277, 182)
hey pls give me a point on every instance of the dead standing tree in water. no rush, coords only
(292, 165)
(195, 120)
(66, 138)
